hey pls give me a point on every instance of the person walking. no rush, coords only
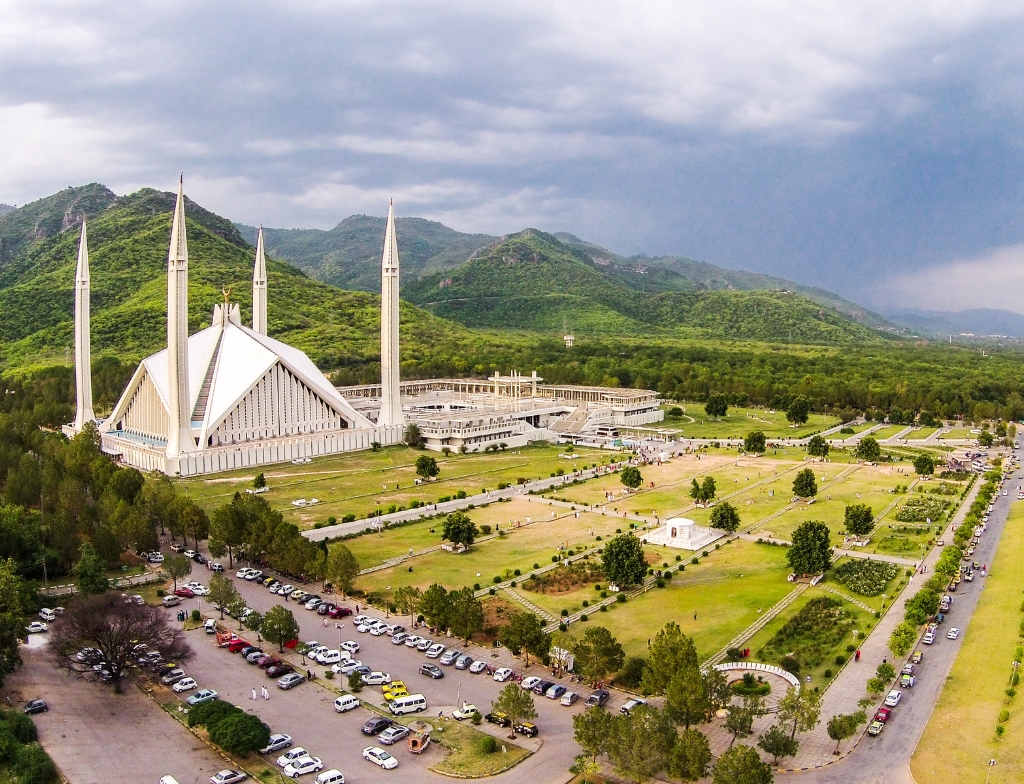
(266, 693)
(254, 693)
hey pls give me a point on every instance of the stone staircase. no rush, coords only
(540, 612)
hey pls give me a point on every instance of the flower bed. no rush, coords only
(810, 635)
(921, 508)
(866, 577)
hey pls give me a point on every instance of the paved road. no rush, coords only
(886, 759)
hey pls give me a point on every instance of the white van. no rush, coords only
(345, 702)
(168, 780)
(47, 614)
(332, 776)
(411, 703)
(171, 601)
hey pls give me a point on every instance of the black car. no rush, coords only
(527, 729)
(199, 559)
(498, 718)
(376, 725)
(598, 698)
(432, 670)
(36, 706)
(277, 670)
(249, 649)
(542, 687)
(324, 608)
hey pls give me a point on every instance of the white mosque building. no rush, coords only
(230, 396)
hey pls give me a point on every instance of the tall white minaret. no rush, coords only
(259, 288)
(179, 430)
(83, 361)
(390, 397)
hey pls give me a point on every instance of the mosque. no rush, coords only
(232, 397)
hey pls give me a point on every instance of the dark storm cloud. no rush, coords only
(838, 146)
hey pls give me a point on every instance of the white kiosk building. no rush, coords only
(683, 533)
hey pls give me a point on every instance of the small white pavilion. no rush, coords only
(683, 533)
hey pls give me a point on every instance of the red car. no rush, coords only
(339, 612)
(236, 645)
(184, 593)
(883, 715)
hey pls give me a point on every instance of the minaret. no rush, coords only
(83, 363)
(259, 288)
(179, 430)
(390, 397)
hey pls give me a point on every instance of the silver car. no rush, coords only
(290, 680)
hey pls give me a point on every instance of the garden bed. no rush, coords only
(863, 576)
(810, 635)
(565, 579)
(467, 757)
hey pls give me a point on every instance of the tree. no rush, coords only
(623, 560)
(739, 719)
(413, 436)
(755, 442)
(465, 613)
(690, 756)
(686, 699)
(703, 492)
(717, 693)
(804, 485)
(342, 568)
(641, 743)
(17, 600)
(592, 729)
(777, 742)
(725, 517)
(116, 629)
(177, 566)
(459, 529)
(260, 481)
(924, 465)
(631, 478)
(986, 438)
(240, 733)
(195, 524)
(227, 530)
(407, 600)
(524, 632)
(516, 703)
(811, 552)
(817, 446)
(844, 726)
(859, 519)
(799, 707)
(598, 654)
(435, 606)
(90, 574)
(902, 639)
(426, 467)
(222, 592)
(868, 449)
(279, 626)
(671, 652)
(798, 410)
(716, 406)
(885, 672)
(742, 765)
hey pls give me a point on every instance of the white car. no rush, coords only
(465, 712)
(436, 650)
(333, 657)
(277, 742)
(241, 573)
(377, 678)
(503, 674)
(317, 652)
(361, 619)
(413, 640)
(953, 633)
(198, 589)
(529, 683)
(347, 668)
(189, 554)
(302, 766)
(569, 698)
(928, 638)
(477, 667)
(378, 756)
(381, 629)
(36, 627)
(291, 755)
(285, 590)
(892, 699)
(363, 628)
(228, 777)
(350, 646)
(425, 645)
(184, 685)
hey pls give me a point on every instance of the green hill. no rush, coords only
(128, 239)
(349, 254)
(534, 281)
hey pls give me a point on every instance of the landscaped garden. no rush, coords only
(739, 421)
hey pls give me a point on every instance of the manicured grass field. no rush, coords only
(725, 590)
(360, 482)
(739, 421)
(922, 433)
(960, 737)
(888, 431)
(958, 432)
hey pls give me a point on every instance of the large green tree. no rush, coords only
(754, 442)
(342, 568)
(641, 743)
(811, 552)
(598, 654)
(90, 572)
(798, 410)
(924, 464)
(742, 765)
(279, 626)
(516, 703)
(177, 566)
(859, 519)
(868, 449)
(777, 742)
(623, 560)
(631, 477)
(435, 606)
(800, 709)
(686, 698)
(690, 756)
(407, 599)
(844, 726)
(716, 406)
(670, 652)
(465, 613)
(804, 484)
(426, 467)
(725, 517)
(817, 446)
(524, 633)
(15, 605)
(592, 729)
(222, 593)
(459, 529)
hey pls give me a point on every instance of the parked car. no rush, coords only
(449, 657)
(290, 681)
(333, 657)
(555, 691)
(413, 640)
(499, 718)
(432, 670)
(630, 705)
(35, 706)
(542, 687)
(277, 742)
(204, 695)
(531, 682)
(350, 645)
(892, 699)
(380, 757)
(324, 608)
(173, 676)
(569, 698)
(875, 728)
(377, 678)
(424, 645)
(527, 728)
(291, 755)
(882, 715)
(228, 777)
(255, 656)
(502, 674)
(909, 669)
(254, 574)
(36, 627)
(393, 734)
(347, 668)
(916, 658)
(953, 633)
(598, 698)
(906, 681)
(465, 712)
(285, 590)
(463, 662)
(277, 670)
(928, 638)
(47, 614)
(376, 725)
(435, 650)
(184, 685)
(339, 612)
(189, 553)
(476, 667)
(302, 766)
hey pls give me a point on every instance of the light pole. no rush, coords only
(991, 764)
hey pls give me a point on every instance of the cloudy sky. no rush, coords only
(873, 148)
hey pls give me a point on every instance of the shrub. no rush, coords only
(631, 673)
(827, 673)
(34, 766)
(8, 747)
(159, 592)
(20, 726)
(1004, 716)
(536, 566)
(476, 586)
(604, 608)
(790, 664)
(241, 733)
(554, 559)
(660, 583)
(621, 598)
(565, 613)
(497, 579)
(491, 591)
(485, 529)
(733, 654)
(209, 714)
(586, 602)
(517, 572)
(840, 660)
(583, 617)
(196, 616)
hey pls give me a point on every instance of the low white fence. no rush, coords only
(759, 667)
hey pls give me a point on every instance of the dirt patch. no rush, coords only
(496, 613)
(565, 579)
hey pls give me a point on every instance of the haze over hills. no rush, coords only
(979, 323)
(6, 208)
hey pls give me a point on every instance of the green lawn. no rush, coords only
(725, 590)
(958, 432)
(360, 482)
(922, 432)
(888, 431)
(960, 737)
(739, 421)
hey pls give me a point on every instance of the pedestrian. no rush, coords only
(695, 616)
(325, 622)
(266, 693)
(254, 693)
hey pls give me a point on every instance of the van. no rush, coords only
(210, 625)
(168, 780)
(411, 703)
(47, 614)
(172, 601)
(345, 702)
(332, 776)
